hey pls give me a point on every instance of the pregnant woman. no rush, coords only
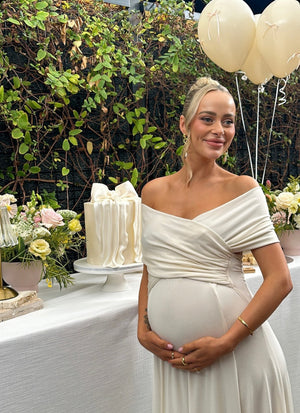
(213, 350)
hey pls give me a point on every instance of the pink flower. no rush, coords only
(50, 218)
(37, 218)
(268, 184)
(278, 218)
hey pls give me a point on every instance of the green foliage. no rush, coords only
(92, 92)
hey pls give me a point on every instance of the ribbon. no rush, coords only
(124, 191)
(210, 16)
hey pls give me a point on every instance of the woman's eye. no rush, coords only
(206, 119)
(228, 122)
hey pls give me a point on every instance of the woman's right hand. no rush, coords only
(161, 348)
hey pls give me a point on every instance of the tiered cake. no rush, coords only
(113, 226)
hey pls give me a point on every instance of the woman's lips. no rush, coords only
(215, 143)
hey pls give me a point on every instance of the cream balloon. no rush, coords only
(255, 67)
(278, 36)
(226, 31)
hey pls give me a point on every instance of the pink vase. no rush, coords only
(23, 277)
(290, 242)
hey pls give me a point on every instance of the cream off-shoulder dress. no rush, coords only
(197, 288)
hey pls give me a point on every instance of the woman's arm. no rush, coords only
(151, 341)
(275, 287)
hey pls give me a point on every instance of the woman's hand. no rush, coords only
(161, 348)
(201, 353)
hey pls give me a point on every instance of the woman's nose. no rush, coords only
(218, 128)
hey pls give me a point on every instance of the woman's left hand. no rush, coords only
(199, 354)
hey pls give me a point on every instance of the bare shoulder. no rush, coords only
(236, 185)
(243, 183)
(153, 190)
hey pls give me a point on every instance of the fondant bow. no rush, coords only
(123, 191)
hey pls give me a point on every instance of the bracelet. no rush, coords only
(246, 325)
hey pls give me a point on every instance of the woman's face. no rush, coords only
(213, 127)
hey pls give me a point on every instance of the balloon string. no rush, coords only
(257, 130)
(211, 15)
(271, 131)
(243, 123)
(282, 99)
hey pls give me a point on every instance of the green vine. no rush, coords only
(93, 92)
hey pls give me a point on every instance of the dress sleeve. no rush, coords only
(251, 226)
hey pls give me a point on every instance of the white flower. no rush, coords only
(297, 220)
(41, 232)
(284, 200)
(67, 214)
(7, 199)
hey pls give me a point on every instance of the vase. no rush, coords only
(23, 277)
(290, 242)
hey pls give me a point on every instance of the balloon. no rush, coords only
(278, 36)
(226, 31)
(255, 67)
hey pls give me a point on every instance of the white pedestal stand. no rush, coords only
(115, 280)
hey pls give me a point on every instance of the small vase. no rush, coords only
(290, 242)
(23, 277)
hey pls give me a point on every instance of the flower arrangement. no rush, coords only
(45, 233)
(284, 205)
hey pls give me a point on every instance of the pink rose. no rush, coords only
(50, 218)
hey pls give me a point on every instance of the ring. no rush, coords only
(183, 361)
(173, 355)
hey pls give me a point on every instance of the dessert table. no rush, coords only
(80, 352)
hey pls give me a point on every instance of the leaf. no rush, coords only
(143, 143)
(17, 133)
(41, 5)
(23, 148)
(65, 171)
(112, 179)
(134, 177)
(41, 54)
(42, 15)
(22, 122)
(73, 140)
(89, 147)
(160, 145)
(17, 82)
(34, 169)
(66, 145)
(14, 21)
(33, 104)
(1, 93)
(75, 132)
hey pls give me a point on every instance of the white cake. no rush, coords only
(113, 226)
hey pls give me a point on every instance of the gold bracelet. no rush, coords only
(246, 325)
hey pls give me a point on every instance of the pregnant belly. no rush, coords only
(181, 310)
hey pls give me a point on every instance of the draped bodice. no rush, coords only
(209, 246)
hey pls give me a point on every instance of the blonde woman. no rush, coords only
(213, 351)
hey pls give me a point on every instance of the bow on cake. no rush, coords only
(124, 191)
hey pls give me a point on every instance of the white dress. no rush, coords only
(197, 288)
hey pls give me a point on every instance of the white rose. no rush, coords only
(284, 200)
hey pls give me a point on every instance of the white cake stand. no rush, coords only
(115, 280)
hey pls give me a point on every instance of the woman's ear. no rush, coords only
(182, 125)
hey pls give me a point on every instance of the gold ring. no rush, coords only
(183, 362)
(173, 355)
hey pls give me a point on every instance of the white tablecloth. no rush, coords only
(80, 353)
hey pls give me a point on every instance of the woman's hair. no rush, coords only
(197, 91)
